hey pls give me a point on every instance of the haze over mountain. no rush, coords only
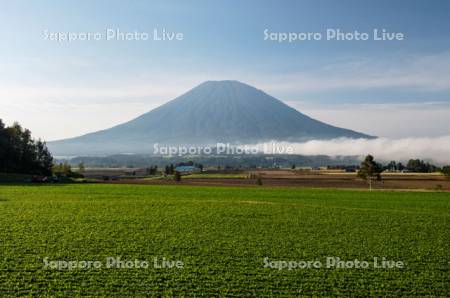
(215, 111)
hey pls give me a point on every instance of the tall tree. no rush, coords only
(19, 153)
(45, 159)
(4, 146)
(370, 170)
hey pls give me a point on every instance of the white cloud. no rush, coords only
(435, 149)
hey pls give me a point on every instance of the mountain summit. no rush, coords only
(214, 111)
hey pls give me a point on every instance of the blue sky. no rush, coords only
(102, 83)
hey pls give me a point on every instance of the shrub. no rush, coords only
(259, 181)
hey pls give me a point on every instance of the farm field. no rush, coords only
(217, 176)
(222, 235)
(304, 179)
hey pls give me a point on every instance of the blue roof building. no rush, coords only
(184, 169)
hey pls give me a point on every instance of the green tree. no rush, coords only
(67, 169)
(63, 169)
(370, 170)
(392, 166)
(153, 170)
(420, 166)
(81, 168)
(45, 159)
(177, 176)
(199, 166)
(20, 153)
(446, 171)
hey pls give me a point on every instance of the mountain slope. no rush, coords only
(215, 111)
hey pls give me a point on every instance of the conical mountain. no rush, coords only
(215, 111)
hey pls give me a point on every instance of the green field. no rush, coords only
(222, 236)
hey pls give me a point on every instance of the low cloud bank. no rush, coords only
(435, 149)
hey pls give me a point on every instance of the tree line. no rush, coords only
(370, 170)
(20, 153)
(413, 165)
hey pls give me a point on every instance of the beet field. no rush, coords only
(137, 240)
